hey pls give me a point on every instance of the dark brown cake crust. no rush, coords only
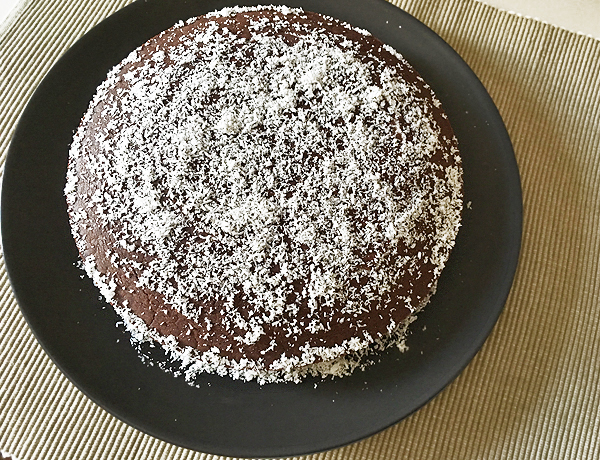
(118, 269)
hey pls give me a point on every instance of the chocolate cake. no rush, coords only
(265, 192)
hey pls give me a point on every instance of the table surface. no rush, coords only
(575, 15)
(533, 391)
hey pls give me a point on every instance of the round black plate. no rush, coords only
(230, 417)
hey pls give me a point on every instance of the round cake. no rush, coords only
(265, 192)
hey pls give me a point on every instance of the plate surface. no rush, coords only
(222, 416)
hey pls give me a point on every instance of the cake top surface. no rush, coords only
(279, 179)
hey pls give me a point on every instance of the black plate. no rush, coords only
(230, 417)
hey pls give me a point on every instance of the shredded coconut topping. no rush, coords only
(264, 168)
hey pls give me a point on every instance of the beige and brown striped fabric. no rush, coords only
(533, 392)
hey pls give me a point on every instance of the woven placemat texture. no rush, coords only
(533, 392)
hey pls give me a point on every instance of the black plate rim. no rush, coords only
(271, 451)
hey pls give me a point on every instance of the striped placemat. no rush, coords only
(533, 392)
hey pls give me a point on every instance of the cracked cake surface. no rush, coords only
(265, 192)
